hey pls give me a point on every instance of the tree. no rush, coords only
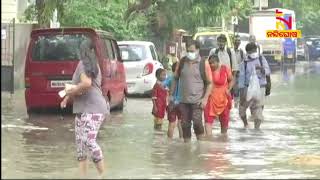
(42, 11)
(163, 16)
(307, 15)
(104, 15)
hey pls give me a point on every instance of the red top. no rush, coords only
(218, 98)
(159, 94)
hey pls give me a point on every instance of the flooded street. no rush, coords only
(42, 145)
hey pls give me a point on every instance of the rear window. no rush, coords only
(57, 47)
(133, 52)
(207, 41)
(316, 42)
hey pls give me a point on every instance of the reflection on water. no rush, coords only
(42, 145)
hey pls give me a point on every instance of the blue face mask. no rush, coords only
(192, 56)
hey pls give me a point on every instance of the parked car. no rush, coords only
(301, 49)
(207, 38)
(312, 48)
(52, 57)
(141, 63)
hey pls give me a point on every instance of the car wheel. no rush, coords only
(30, 111)
(121, 105)
(34, 110)
(148, 94)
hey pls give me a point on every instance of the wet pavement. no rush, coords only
(42, 145)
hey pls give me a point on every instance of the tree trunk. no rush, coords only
(40, 5)
(142, 5)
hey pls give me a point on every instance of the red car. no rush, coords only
(53, 55)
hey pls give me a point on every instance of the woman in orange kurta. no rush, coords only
(220, 100)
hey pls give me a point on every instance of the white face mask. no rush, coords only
(192, 55)
(254, 55)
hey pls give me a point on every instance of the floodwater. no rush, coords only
(42, 145)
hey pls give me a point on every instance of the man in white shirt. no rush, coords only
(239, 52)
(252, 39)
(226, 55)
(240, 56)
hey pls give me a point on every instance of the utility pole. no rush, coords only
(260, 7)
(222, 23)
(54, 23)
(234, 21)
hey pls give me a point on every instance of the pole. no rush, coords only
(222, 23)
(13, 49)
(180, 45)
(260, 8)
(237, 28)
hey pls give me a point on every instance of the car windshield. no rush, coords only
(132, 52)
(57, 47)
(316, 42)
(207, 41)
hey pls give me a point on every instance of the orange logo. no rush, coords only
(283, 27)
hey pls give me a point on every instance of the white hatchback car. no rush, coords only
(141, 63)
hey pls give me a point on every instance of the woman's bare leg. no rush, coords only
(208, 128)
(179, 128)
(224, 130)
(83, 168)
(100, 167)
(171, 127)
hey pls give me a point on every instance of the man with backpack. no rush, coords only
(239, 53)
(252, 39)
(225, 54)
(194, 75)
(256, 62)
(240, 56)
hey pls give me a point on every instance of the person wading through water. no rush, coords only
(195, 80)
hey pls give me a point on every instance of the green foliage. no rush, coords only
(42, 11)
(147, 18)
(30, 14)
(166, 15)
(105, 16)
(307, 15)
(156, 19)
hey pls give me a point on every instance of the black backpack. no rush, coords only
(229, 53)
(241, 54)
(268, 85)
